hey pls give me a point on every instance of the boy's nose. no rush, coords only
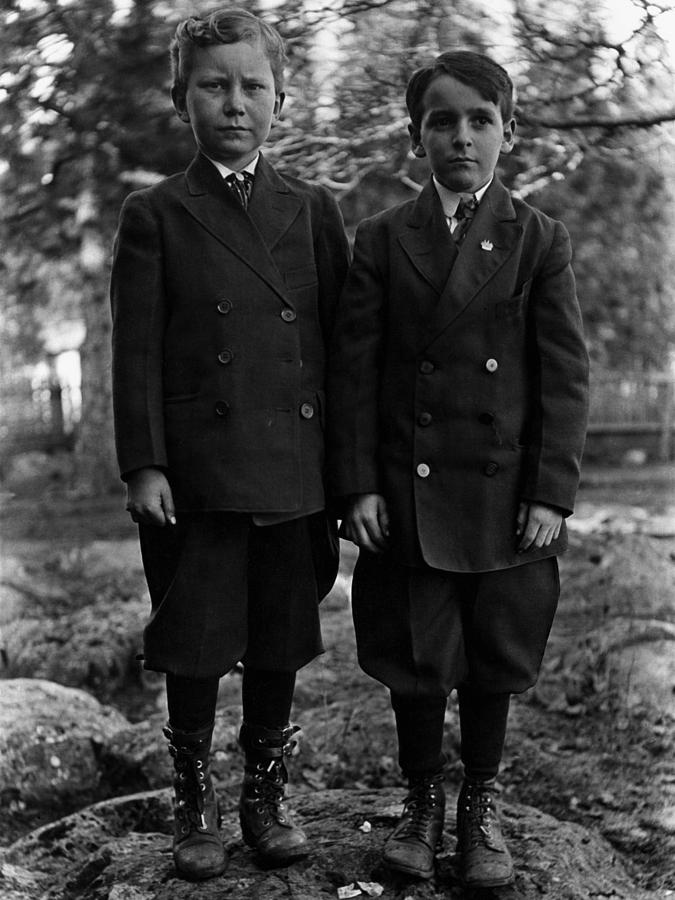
(461, 136)
(234, 102)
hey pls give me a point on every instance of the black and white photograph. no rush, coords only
(337, 450)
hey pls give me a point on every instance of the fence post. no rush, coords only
(667, 422)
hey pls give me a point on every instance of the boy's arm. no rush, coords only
(354, 373)
(138, 310)
(331, 250)
(558, 360)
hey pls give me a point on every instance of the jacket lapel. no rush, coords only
(214, 206)
(489, 242)
(272, 208)
(427, 241)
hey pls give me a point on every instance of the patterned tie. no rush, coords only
(241, 185)
(464, 214)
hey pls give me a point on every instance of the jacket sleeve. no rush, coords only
(354, 372)
(138, 310)
(331, 250)
(559, 361)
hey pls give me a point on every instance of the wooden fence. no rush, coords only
(36, 415)
(634, 407)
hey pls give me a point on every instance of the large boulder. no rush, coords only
(93, 647)
(74, 615)
(120, 850)
(50, 738)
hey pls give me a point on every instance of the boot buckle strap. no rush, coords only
(292, 737)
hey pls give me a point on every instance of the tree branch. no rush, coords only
(607, 123)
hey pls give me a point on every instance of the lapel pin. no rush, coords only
(486, 245)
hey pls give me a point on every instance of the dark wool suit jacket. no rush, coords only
(219, 325)
(458, 379)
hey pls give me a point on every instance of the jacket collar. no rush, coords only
(252, 234)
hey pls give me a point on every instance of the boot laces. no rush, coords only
(191, 787)
(418, 811)
(270, 779)
(482, 816)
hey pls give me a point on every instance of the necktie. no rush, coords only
(464, 214)
(241, 185)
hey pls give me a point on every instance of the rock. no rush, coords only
(100, 561)
(49, 740)
(136, 757)
(628, 656)
(120, 850)
(94, 646)
(23, 593)
(648, 669)
(19, 884)
(618, 575)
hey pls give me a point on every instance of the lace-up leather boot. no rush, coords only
(486, 861)
(417, 837)
(198, 851)
(265, 822)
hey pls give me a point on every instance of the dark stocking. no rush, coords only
(191, 702)
(267, 697)
(419, 725)
(482, 719)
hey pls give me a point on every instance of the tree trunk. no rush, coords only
(95, 466)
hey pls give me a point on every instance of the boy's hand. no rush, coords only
(537, 525)
(149, 498)
(366, 522)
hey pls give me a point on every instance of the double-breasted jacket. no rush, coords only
(220, 318)
(458, 378)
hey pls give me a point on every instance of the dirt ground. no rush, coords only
(580, 746)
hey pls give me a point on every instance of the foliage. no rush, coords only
(620, 217)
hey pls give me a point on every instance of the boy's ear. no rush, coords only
(416, 142)
(178, 100)
(509, 136)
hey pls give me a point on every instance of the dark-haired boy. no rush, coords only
(224, 284)
(457, 409)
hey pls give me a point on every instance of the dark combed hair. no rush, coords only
(474, 69)
(224, 26)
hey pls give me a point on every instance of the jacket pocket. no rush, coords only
(303, 277)
(514, 306)
(181, 398)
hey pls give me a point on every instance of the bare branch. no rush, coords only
(607, 123)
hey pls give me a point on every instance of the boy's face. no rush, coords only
(230, 101)
(461, 133)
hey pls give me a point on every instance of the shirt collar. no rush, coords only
(450, 200)
(225, 171)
